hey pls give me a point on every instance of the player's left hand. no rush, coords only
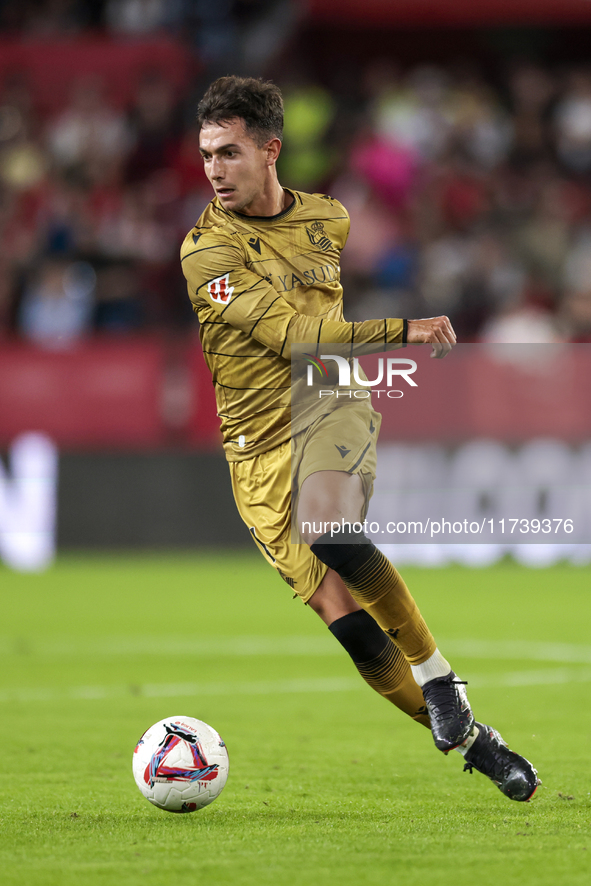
(437, 331)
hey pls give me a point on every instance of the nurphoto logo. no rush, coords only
(389, 371)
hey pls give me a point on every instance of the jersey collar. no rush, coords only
(285, 213)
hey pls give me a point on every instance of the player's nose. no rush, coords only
(216, 169)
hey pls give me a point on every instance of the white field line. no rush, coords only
(179, 690)
(563, 653)
(548, 677)
(12, 651)
(172, 645)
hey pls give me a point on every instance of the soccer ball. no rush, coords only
(180, 764)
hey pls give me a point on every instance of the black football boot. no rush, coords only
(514, 776)
(449, 711)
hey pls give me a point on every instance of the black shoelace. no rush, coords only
(444, 706)
(489, 763)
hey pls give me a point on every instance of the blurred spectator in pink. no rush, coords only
(373, 227)
(387, 167)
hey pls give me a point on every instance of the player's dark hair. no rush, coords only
(257, 102)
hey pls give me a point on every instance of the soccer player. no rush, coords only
(262, 268)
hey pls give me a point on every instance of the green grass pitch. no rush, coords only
(329, 784)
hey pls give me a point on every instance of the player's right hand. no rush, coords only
(437, 331)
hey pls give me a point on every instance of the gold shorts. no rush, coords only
(266, 487)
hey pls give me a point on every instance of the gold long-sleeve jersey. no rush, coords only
(259, 285)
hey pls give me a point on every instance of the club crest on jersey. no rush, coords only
(317, 236)
(220, 289)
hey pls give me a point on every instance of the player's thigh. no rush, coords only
(326, 500)
(334, 466)
(262, 491)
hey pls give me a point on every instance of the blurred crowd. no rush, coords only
(468, 195)
(466, 198)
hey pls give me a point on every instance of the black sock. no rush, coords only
(381, 664)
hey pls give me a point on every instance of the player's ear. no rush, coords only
(273, 148)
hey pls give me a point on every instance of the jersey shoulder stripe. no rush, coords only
(213, 230)
(329, 206)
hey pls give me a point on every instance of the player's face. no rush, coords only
(234, 164)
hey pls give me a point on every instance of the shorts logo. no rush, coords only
(290, 581)
(220, 289)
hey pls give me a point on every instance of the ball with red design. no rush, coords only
(180, 764)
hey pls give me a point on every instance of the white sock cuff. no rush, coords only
(435, 666)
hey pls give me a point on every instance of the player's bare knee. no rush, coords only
(332, 599)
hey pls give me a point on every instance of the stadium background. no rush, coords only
(458, 138)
